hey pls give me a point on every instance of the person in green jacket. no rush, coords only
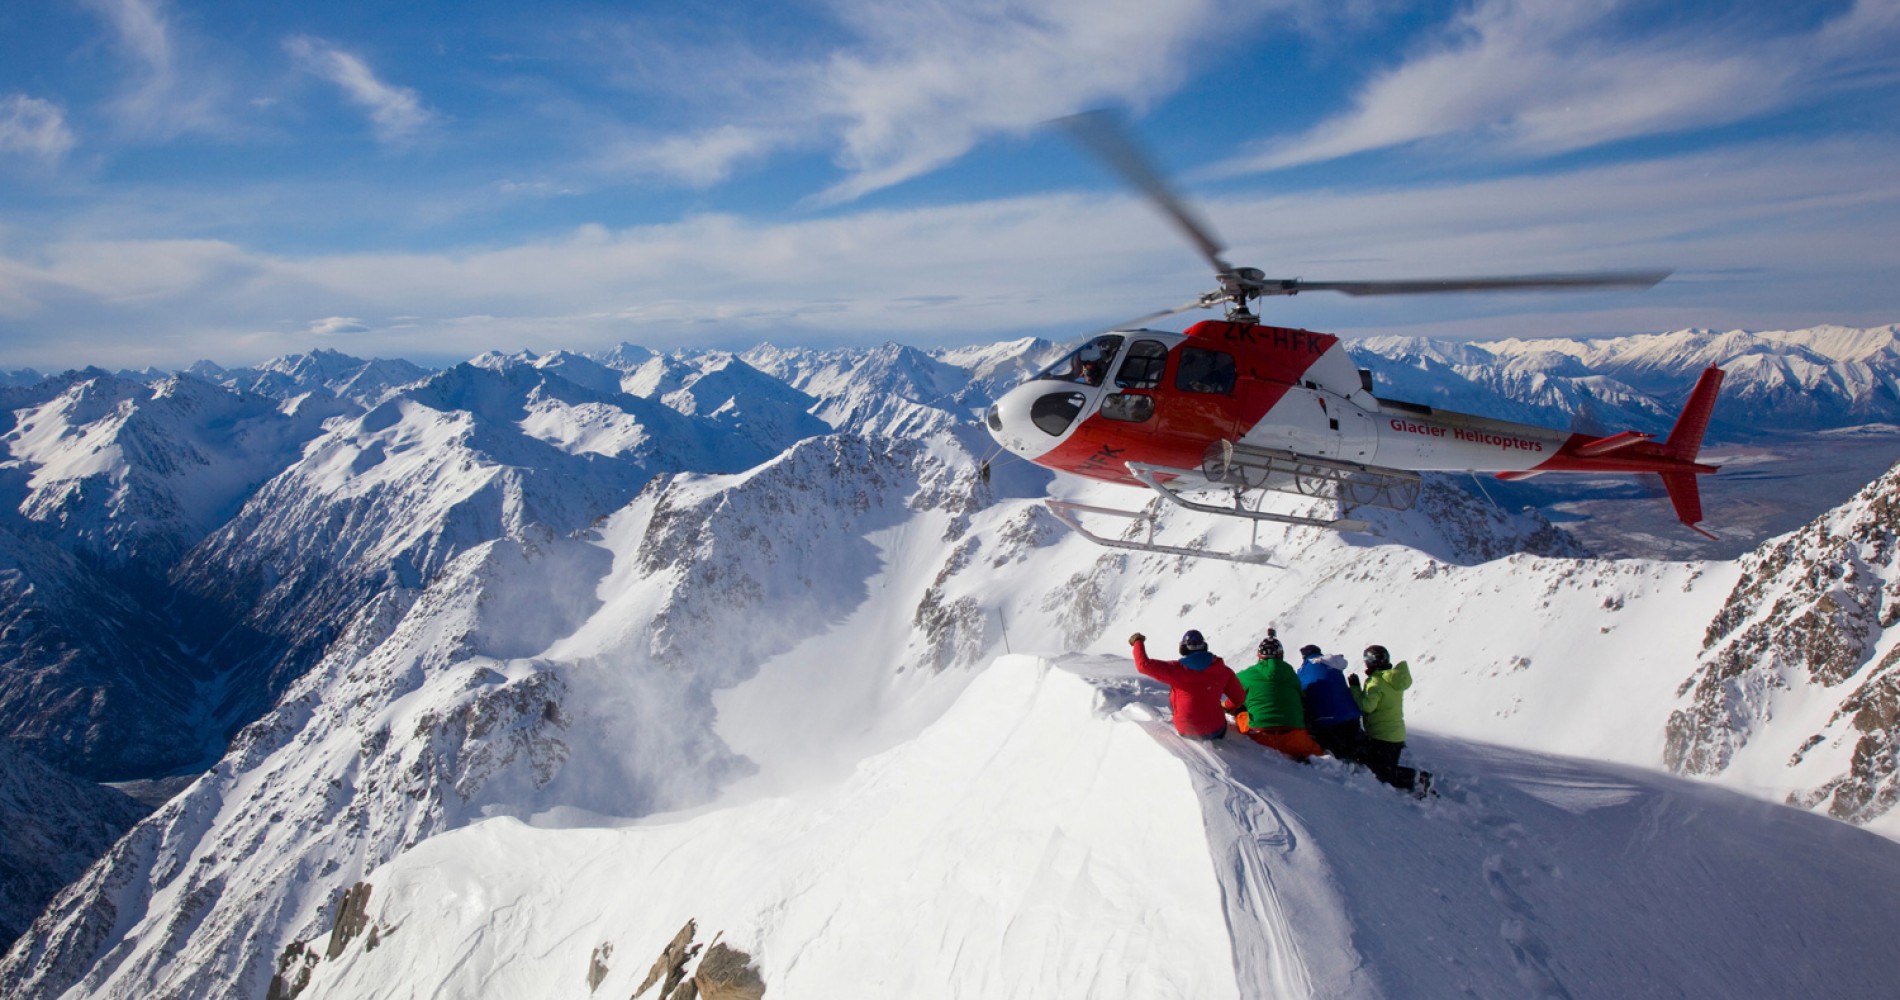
(1273, 715)
(1381, 701)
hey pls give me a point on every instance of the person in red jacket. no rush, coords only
(1196, 683)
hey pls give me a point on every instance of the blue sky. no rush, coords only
(430, 180)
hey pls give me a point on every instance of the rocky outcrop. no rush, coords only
(1807, 619)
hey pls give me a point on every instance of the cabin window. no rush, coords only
(1054, 412)
(1086, 364)
(1205, 371)
(1142, 368)
(1132, 408)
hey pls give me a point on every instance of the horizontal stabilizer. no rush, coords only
(1615, 442)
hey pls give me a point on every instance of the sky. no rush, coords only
(231, 181)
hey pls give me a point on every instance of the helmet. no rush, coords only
(1270, 647)
(1192, 642)
(1309, 651)
(1377, 658)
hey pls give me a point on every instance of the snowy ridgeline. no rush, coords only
(568, 598)
(1047, 837)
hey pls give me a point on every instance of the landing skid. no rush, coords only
(1149, 476)
(1066, 511)
(1152, 476)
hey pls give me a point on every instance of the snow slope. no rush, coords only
(1048, 837)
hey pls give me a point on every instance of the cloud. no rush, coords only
(1812, 225)
(332, 325)
(160, 101)
(1539, 77)
(33, 127)
(397, 113)
(700, 159)
(900, 89)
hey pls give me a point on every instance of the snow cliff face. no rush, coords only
(1799, 684)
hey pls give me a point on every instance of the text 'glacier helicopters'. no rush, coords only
(1237, 407)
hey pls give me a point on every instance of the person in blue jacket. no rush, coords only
(1331, 714)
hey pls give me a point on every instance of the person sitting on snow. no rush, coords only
(1272, 714)
(1196, 684)
(1382, 702)
(1331, 714)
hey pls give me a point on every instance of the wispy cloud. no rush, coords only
(397, 113)
(160, 101)
(909, 87)
(1538, 77)
(700, 159)
(33, 127)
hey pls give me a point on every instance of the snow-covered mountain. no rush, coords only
(544, 655)
(130, 475)
(1777, 380)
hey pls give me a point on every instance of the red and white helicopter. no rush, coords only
(1236, 407)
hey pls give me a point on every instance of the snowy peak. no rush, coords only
(130, 473)
(364, 382)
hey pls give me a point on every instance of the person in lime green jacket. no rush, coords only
(1381, 701)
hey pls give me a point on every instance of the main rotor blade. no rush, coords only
(1200, 303)
(1501, 283)
(1104, 136)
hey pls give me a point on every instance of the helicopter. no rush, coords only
(1237, 407)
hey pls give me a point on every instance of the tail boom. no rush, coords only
(1674, 459)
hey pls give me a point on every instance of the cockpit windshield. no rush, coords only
(1086, 365)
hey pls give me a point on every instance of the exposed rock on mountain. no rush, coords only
(1802, 659)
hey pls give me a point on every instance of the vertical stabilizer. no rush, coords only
(1686, 495)
(1685, 439)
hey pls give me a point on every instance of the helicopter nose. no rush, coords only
(1030, 419)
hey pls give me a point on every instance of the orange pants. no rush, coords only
(1293, 741)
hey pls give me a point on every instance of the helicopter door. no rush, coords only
(1140, 373)
(1198, 405)
(1358, 439)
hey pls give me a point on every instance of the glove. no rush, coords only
(1352, 680)
(1136, 639)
